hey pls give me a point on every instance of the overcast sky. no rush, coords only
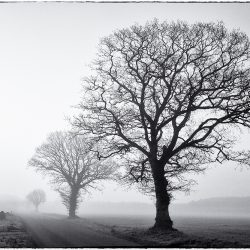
(44, 52)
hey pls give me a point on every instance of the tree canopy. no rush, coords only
(36, 197)
(73, 166)
(169, 96)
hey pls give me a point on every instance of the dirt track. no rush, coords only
(58, 231)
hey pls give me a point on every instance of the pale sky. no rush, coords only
(44, 52)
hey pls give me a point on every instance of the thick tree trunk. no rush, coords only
(73, 203)
(162, 220)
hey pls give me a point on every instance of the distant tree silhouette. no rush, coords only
(168, 97)
(36, 197)
(73, 166)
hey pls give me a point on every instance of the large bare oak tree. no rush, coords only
(73, 166)
(169, 96)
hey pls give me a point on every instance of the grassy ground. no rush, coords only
(12, 233)
(195, 231)
(227, 229)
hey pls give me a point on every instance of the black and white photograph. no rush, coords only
(124, 124)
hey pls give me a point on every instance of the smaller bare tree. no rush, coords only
(73, 165)
(36, 197)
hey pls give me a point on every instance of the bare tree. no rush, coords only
(36, 197)
(73, 166)
(169, 96)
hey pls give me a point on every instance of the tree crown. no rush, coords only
(37, 197)
(71, 160)
(170, 91)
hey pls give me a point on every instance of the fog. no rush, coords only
(45, 49)
(220, 207)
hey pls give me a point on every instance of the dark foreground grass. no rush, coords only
(170, 239)
(193, 232)
(13, 233)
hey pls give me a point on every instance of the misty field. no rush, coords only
(235, 230)
(13, 234)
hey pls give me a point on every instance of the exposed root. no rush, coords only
(156, 229)
(73, 217)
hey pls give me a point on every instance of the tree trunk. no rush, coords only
(73, 202)
(162, 220)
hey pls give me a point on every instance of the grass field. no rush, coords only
(12, 233)
(226, 229)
